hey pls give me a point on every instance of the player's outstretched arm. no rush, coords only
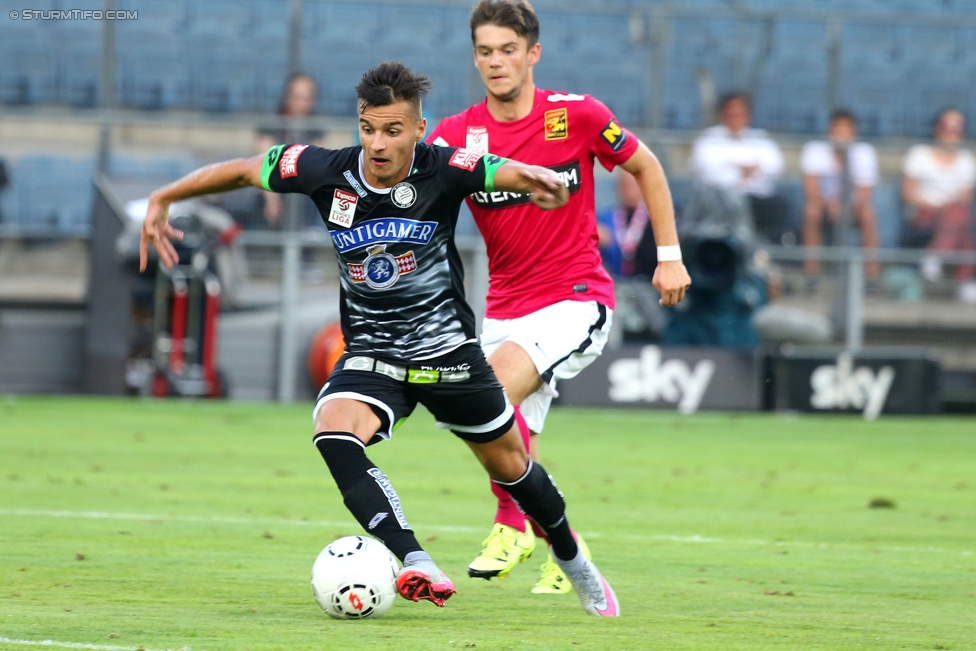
(546, 188)
(219, 177)
(670, 278)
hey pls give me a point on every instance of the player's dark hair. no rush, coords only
(391, 82)
(517, 15)
(728, 98)
(839, 114)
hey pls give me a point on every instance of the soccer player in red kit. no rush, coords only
(550, 301)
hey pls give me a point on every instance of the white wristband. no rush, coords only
(669, 253)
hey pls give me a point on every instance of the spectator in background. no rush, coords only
(938, 190)
(629, 253)
(734, 156)
(623, 227)
(824, 165)
(297, 101)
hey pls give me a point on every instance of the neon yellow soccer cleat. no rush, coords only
(503, 549)
(553, 581)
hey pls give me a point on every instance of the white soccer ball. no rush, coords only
(355, 578)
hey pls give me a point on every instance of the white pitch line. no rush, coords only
(78, 645)
(690, 539)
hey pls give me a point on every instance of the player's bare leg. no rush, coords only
(509, 464)
(511, 541)
(343, 427)
(513, 537)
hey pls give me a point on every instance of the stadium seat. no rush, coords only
(62, 206)
(156, 168)
(621, 88)
(223, 74)
(221, 18)
(269, 20)
(340, 22)
(153, 69)
(162, 16)
(29, 74)
(79, 73)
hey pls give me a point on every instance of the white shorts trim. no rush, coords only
(369, 400)
(561, 340)
(487, 427)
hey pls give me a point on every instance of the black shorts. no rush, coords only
(459, 389)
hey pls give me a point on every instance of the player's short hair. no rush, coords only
(391, 82)
(517, 15)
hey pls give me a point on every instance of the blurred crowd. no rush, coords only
(736, 173)
(737, 205)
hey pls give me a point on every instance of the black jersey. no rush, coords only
(402, 293)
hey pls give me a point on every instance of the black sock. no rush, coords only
(537, 495)
(366, 491)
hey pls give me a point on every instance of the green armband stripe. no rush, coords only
(492, 163)
(270, 160)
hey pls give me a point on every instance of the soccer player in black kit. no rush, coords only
(391, 206)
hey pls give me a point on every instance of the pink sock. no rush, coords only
(508, 512)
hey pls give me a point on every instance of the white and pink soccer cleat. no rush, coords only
(596, 595)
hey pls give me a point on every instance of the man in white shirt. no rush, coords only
(827, 166)
(737, 157)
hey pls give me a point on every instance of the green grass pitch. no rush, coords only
(129, 524)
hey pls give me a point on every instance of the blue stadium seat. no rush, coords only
(53, 194)
(792, 38)
(141, 168)
(80, 73)
(873, 90)
(622, 88)
(793, 95)
(605, 35)
(870, 41)
(269, 19)
(153, 69)
(932, 87)
(162, 16)
(221, 18)
(341, 22)
(29, 74)
(223, 74)
(937, 45)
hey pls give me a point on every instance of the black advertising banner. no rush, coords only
(682, 378)
(870, 382)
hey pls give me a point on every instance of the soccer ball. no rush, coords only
(355, 578)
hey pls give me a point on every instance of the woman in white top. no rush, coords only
(822, 163)
(938, 188)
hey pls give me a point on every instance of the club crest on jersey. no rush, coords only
(556, 124)
(288, 165)
(477, 140)
(614, 135)
(343, 208)
(381, 269)
(403, 195)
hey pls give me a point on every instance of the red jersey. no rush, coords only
(540, 257)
